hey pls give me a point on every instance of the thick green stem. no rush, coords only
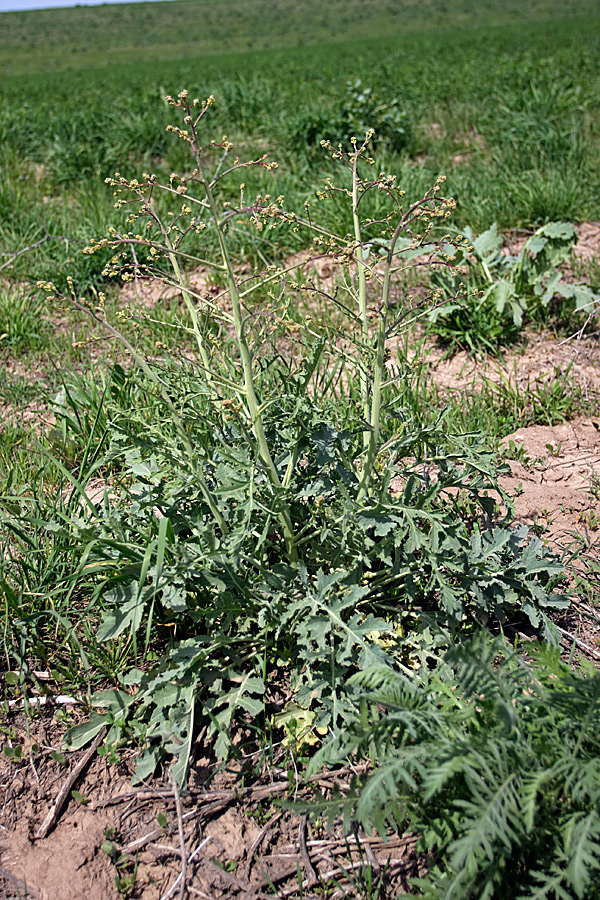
(378, 370)
(187, 299)
(376, 392)
(362, 300)
(249, 391)
(370, 400)
(375, 415)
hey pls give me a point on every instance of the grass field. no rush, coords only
(87, 37)
(513, 123)
(256, 515)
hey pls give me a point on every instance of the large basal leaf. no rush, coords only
(127, 612)
(487, 242)
(80, 735)
(562, 231)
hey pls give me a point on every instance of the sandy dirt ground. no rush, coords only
(237, 841)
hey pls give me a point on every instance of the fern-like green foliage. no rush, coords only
(494, 762)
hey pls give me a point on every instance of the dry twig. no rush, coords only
(35, 246)
(311, 876)
(143, 794)
(179, 811)
(579, 643)
(190, 859)
(259, 839)
(56, 808)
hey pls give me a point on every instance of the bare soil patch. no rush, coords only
(538, 359)
(555, 487)
(555, 483)
(239, 841)
(588, 243)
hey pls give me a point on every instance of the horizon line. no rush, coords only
(44, 5)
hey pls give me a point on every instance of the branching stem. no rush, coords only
(249, 391)
(362, 296)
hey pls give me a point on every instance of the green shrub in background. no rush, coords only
(361, 110)
(366, 109)
(509, 290)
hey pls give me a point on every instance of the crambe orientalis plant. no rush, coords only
(256, 539)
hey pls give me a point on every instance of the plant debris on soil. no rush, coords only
(112, 840)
